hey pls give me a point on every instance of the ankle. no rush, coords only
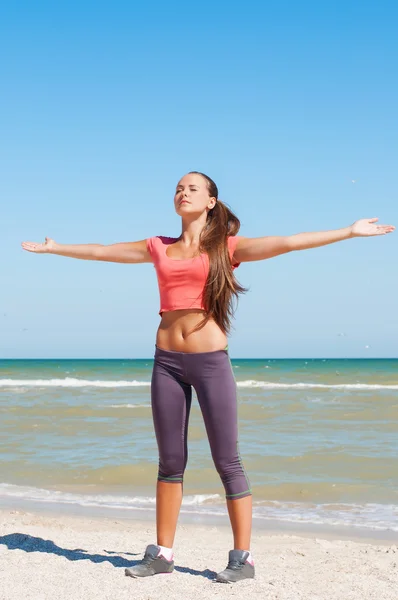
(249, 559)
(167, 553)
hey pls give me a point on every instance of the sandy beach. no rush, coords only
(47, 556)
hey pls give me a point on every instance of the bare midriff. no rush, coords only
(175, 332)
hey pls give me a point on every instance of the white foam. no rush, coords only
(130, 406)
(71, 382)
(373, 516)
(249, 383)
(8, 490)
(253, 383)
(380, 517)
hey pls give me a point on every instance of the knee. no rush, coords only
(228, 467)
(234, 478)
(171, 468)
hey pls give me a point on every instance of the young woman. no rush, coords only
(197, 288)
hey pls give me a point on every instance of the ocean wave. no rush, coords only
(8, 490)
(376, 517)
(71, 382)
(248, 383)
(130, 406)
(253, 383)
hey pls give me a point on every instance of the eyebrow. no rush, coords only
(190, 185)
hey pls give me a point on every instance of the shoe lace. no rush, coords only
(235, 564)
(148, 559)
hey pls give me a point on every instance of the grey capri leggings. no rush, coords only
(210, 373)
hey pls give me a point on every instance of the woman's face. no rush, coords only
(192, 195)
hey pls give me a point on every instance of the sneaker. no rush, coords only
(152, 563)
(238, 568)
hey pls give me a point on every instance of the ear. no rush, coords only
(212, 203)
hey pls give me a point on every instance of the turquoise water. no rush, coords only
(318, 438)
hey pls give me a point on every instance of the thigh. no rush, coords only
(171, 404)
(217, 396)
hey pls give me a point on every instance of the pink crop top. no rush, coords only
(181, 282)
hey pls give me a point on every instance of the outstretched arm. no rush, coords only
(249, 249)
(125, 252)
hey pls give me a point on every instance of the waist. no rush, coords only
(175, 332)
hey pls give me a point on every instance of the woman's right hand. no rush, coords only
(45, 248)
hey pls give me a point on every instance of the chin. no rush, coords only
(184, 209)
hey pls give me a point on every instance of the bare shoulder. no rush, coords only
(127, 252)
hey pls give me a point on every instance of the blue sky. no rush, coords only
(106, 105)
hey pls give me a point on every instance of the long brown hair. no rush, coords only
(222, 288)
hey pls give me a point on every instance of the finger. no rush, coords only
(373, 220)
(31, 247)
(385, 229)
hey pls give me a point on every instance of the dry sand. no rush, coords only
(44, 557)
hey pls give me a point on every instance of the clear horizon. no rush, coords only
(234, 358)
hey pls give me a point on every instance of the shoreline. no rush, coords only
(147, 515)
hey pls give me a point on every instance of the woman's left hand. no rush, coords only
(366, 227)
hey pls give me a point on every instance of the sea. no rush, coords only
(318, 439)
